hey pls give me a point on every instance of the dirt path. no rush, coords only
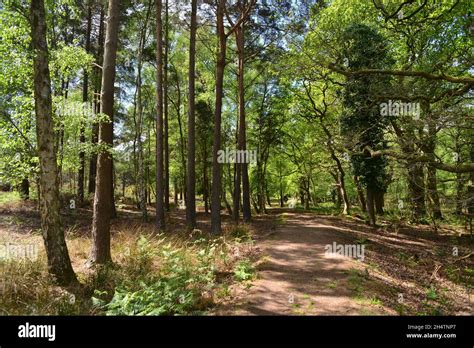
(297, 277)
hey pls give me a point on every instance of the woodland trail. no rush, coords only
(297, 277)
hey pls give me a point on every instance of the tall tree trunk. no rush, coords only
(280, 185)
(432, 189)
(85, 98)
(371, 206)
(97, 89)
(379, 202)
(341, 185)
(205, 186)
(236, 194)
(182, 141)
(103, 203)
(470, 193)
(160, 211)
(141, 166)
(360, 194)
(191, 177)
(416, 189)
(429, 148)
(175, 189)
(59, 263)
(216, 170)
(242, 139)
(166, 111)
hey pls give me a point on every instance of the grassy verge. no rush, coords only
(151, 274)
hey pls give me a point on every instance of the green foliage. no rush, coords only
(244, 270)
(178, 286)
(361, 122)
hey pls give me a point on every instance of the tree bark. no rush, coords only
(103, 202)
(371, 206)
(85, 98)
(216, 170)
(182, 141)
(166, 111)
(141, 166)
(242, 141)
(360, 194)
(191, 177)
(432, 189)
(97, 104)
(416, 189)
(160, 212)
(379, 202)
(59, 263)
(24, 189)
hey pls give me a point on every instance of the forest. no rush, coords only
(236, 157)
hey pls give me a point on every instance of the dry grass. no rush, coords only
(138, 253)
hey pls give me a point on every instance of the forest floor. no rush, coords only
(406, 269)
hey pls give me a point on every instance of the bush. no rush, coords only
(180, 284)
(244, 271)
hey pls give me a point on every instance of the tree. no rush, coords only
(85, 98)
(242, 168)
(166, 109)
(103, 202)
(97, 88)
(59, 263)
(216, 170)
(362, 122)
(191, 177)
(160, 211)
(222, 36)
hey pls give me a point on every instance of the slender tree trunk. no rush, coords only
(103, 204)
(236, 194)
(160, 211)
(226, 202)
(166, 111)
(141, 166)
(260, 186)
(280, 184)
(97, 104)
(59, 263)
(307, 193)
(242, 139)
(341, 185)
(182, 141)
(85, 98)
(191, 177)
(360, 194)
(175, 189)
(469, 203)
(205, 185)
(216, 170)
(345, 200)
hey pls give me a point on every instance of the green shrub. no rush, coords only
(180, 285)
(244, 271)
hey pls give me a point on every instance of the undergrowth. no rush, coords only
(151, 275)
